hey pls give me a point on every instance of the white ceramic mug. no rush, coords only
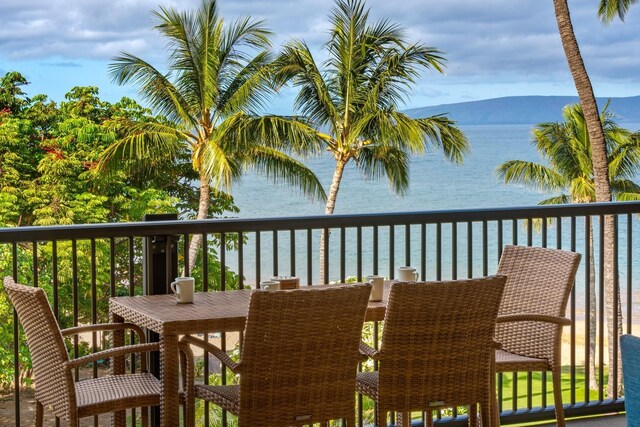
(377, 287)
(183, 288)
(269, 285)
(407, 274)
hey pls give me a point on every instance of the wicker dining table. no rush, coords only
(210, 312)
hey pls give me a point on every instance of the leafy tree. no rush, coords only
(567, 152)
(352, 100)
(12, 97)
(210, 98)
(48, 175)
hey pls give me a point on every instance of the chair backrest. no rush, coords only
(630, 349)
(539, 281)
(300, 355)
(437, 344)
(54, 384)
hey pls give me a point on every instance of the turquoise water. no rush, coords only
(435, 184)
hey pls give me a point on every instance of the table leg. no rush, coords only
(169, 402)
(118, 419)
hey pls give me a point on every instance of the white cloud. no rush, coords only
(484, 40)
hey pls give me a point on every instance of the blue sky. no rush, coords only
(494, 47)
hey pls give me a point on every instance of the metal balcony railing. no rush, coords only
(81, 266)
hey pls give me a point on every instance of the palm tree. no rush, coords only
(598, 159)
(353, 99)
(610, 9)
(566, 148)
(208, 98)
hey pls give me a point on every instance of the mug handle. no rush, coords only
(416, 276)
(173, 288)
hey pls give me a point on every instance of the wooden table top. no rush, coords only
(210, 311)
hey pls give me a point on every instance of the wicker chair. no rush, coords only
(53, 370)
(532, 312)
(299, 358)
(437, 349)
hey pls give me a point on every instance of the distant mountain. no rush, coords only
(525, 110)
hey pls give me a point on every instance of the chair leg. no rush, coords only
(403, 419)
(428, 416)
(557, 396)
(381, 417)
(473, 416)
(39, 414)
(144, 413)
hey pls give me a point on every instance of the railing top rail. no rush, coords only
(106, 230)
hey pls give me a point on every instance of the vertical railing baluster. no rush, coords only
(601, 309)
(615, 301)
(94, 312)
(16, 342)
(240, 260)
(454, 250)
(185, 251)
(485, 249)
(258, 260)
(423, 251)
(543, 374)
(326, 255)
(359, 275)
(392, 249)
(573, 320)
(375, 251)
(469, 249)
(343, 261)
(74, 281)
(275, 253)
(587, 306)
(514, 231)
(407, 244)
(223, 261)
(205, 356)
(309, 257)
(500, 238)
(292, 252)
(629, 274)
(439, 251)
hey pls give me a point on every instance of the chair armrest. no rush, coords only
(217, 352)
(105, 327)
(367, 351)
(563, 321)
(117, 351)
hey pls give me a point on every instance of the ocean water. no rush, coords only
(435, 184)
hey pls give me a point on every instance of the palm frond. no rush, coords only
(608, 10)
(296, 64)
(142, 141)
(562, 199)
(392, 162)
(153, 86)
(531, 174)
(282, 168)
(441, 132)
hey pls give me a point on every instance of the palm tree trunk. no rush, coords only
(203, 212)
(599, 160)
(329, 208)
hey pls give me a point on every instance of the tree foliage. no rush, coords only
(49, 175)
